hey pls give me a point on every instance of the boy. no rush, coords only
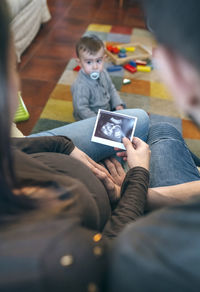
(93, 88)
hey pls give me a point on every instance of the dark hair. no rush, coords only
(90, 43)
(9, 203)
(6, 170)
(176, 24)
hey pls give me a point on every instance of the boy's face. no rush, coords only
(92, 63)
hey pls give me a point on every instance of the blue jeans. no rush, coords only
(171, 161)
(81, 132)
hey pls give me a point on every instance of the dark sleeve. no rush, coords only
(59, 144)
(132, 203)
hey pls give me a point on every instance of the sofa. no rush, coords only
(26, 19)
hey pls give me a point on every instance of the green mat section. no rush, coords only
(22, 113)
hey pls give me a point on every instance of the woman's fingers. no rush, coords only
(112, 190)
(116, 170)
(121, 154)
(100, 167)
(104, 178)
(111, 167)
(118, 167)
(127, 143)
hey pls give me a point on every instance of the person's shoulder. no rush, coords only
(165, 238)
(105, 76)
(104, 72)
(171, 220)
(79, 79)
(80, 84)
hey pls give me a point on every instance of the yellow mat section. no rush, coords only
(99, 27)
(61, 110)
(159, 90)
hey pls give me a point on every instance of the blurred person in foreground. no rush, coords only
(160, 252)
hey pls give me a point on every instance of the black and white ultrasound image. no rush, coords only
(113, 127)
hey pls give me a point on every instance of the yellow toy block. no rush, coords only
(143, 68)
(130, 49)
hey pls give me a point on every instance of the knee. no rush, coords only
(142, 115)
(163, 130)
(163, 127)
(142, 126)
(136, 112)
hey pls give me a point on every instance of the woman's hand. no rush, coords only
(137, 153)
(116, 170)
(84, 158)
(113, 186)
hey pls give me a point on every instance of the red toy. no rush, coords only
(115, 50)
(130, 68)
(112, 49)
(140, 62)
(109, 48)
(77, 68)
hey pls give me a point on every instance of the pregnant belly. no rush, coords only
(71, 167)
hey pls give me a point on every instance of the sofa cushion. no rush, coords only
(26, 23)
(16, 6)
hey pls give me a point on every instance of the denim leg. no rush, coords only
(171, 160)
(81, 132)
(196, 159)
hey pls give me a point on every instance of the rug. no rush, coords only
(145, 91)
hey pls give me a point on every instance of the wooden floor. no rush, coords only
(44, 61)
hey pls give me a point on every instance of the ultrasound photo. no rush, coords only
(111, 127)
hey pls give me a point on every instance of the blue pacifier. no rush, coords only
(94, 75)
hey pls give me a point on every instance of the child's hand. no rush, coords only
(119, 107)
